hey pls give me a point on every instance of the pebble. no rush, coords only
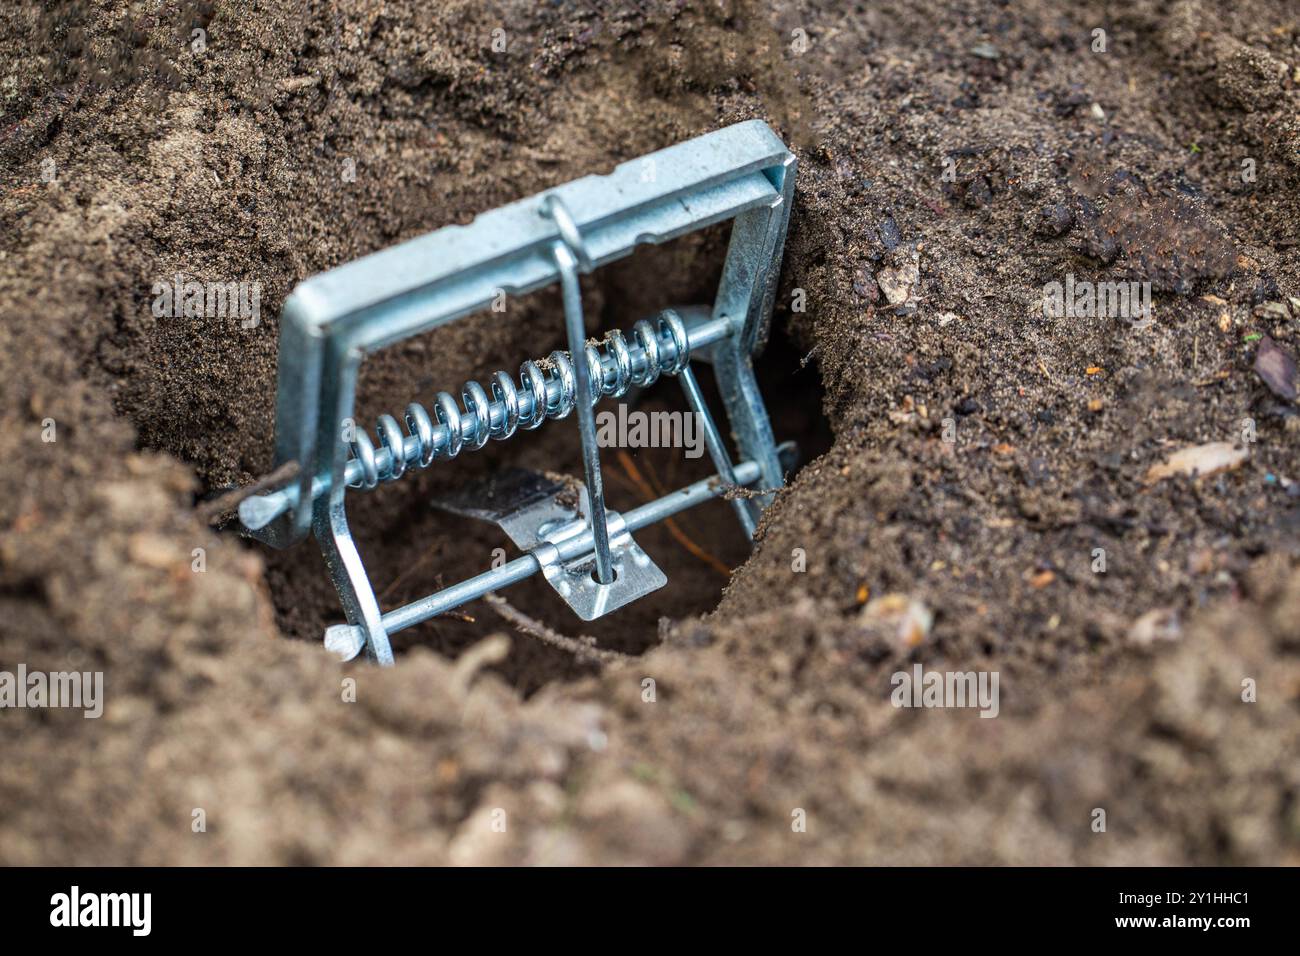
(1160, 624)
(890, 237)
(908, 620)
(1277, 368)
(900, 282)
(1198, 461)
(1055, 220)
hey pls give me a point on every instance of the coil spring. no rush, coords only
(472, 426)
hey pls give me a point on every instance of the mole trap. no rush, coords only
(742, 173)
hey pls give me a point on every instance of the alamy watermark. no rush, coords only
(638, 429)
(923, 688)
(177, 298)
(83, 690)
(75, 908)
(1100, 300)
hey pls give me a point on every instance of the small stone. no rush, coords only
(890, 237)
(1273, 310)
(1055, 220)
(905, 620)
(899, 282)
(1199, 461)
(1160, 624)
(1277, 368)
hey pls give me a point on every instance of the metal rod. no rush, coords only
(717, 450)
(570, 251)
(511, 572)
(577, 332)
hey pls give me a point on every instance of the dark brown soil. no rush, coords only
(965, 453)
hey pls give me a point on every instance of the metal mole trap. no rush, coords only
(331, 321)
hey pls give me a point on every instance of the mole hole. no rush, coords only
(411, 548)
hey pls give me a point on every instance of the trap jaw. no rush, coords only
(331, 321)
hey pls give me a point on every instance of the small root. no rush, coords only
(583, 648)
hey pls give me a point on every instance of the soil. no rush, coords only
(966, 456)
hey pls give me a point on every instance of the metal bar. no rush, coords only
(708, 179)
(568, 252)
(717, 450)
(350, 579)
(511, 572)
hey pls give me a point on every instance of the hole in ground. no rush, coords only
(412, 548)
